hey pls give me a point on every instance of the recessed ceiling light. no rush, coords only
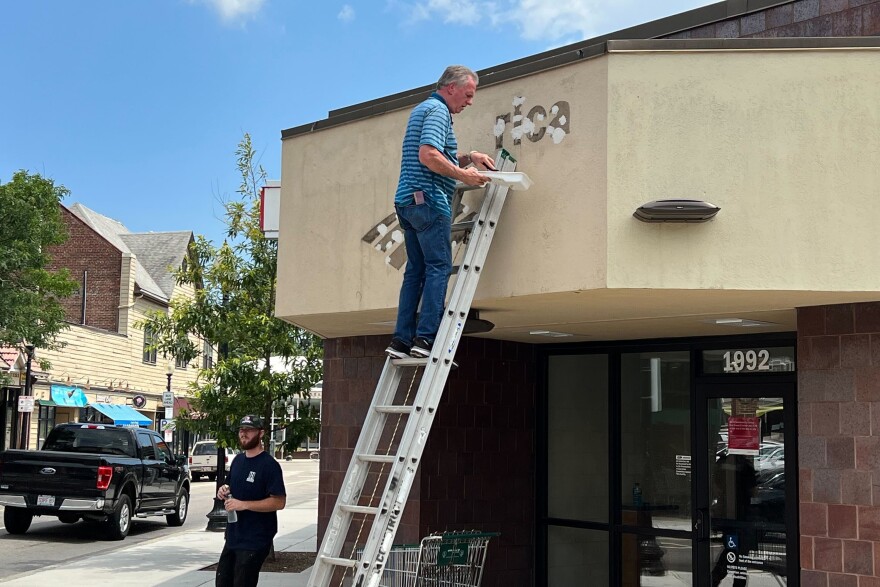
(549, 333)
(738, 322)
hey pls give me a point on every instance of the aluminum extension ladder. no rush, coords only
(419, 417)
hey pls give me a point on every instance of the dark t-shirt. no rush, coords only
(253, 479)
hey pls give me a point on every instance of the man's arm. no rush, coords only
(434, 160)
(273, 503)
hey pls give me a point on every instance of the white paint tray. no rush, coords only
(515, 180)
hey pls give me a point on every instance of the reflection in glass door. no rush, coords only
(742, 526)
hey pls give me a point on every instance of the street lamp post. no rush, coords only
(217, 515)
(169, 410)
(25, 431)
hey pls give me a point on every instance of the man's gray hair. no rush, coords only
(458, 75)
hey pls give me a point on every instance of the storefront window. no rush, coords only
(656, 440)
(45, 423)
(577, 437)
(576, 556)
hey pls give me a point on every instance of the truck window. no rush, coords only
(205, 448)
(163, 453)
(109, 441)
(146, 443)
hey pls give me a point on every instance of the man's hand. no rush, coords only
(487, 162)
(472, 176)
(223, 492)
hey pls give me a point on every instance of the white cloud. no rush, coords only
(346, 14)
(550, 20)
(555, 22)
(232, 10)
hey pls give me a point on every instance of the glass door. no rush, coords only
(746, 518)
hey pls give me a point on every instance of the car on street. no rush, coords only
(203, 459)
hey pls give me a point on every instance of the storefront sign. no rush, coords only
(748, 360)
(743, 435)
(66, 395)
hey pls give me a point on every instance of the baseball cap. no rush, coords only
(251, 422)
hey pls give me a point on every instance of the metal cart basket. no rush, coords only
(451, 559)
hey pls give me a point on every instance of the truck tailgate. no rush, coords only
(49, 472)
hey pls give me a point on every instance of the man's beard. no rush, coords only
(250, 444)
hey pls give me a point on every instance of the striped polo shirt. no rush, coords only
(430, 123)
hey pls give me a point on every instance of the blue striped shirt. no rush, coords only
(430, 123)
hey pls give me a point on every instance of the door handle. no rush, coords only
(701, 524)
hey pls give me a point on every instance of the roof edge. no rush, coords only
(546, 60)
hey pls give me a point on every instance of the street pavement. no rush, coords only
(176, 560)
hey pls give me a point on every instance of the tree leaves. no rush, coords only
(29, 291)
(262, 363)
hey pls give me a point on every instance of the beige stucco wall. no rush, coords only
(785, 142)
(338, 183)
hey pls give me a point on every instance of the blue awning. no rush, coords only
(66, 395)
(122, 415)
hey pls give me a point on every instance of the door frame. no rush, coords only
(744, 386)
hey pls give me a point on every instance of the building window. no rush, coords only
(207, 355)
(149, 340)
(45, 423)
(180, 363)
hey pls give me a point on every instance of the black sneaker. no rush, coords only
(421, 348)
(397, 350)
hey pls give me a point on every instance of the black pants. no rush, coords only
(240, 568)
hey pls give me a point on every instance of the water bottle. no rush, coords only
(231, 515)
(637, 495)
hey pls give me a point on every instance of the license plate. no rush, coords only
(46, 500)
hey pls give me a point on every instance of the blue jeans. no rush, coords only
(426, 234)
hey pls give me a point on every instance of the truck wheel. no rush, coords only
(179, 515)
(68, 518)
(17, 520)
(196, 476)
(119, 522)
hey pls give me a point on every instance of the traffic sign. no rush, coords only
(168, 399)
(26, 403)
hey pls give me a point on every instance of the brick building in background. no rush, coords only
(122, 276)
(639, 375)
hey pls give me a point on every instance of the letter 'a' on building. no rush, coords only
(671, 402)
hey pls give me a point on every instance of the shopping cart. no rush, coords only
(451, 559)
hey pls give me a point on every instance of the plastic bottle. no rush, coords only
(637, 495)
(231, 515)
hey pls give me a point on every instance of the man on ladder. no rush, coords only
(429, 168)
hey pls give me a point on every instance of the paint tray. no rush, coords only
(515, 180)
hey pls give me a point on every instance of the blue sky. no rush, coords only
(137, 106)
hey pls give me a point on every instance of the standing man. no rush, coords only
(429, 168)
(255, 492)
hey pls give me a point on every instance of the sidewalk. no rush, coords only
(176, 560)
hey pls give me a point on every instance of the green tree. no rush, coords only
(233, 311)
(30, 310)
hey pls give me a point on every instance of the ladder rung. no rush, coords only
(359, 509)
(339, 562)
(466, 225)
(463, 187)
(409, 362)
(377, 458)
(394, 409)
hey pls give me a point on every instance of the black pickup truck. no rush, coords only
(99, 473)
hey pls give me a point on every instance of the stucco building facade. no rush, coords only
(654, 396)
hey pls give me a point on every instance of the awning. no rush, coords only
(122, 415)
(46, 402)
(65, 395)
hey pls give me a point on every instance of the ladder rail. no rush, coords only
(420, 417)
(356, 475)
(431, 388)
